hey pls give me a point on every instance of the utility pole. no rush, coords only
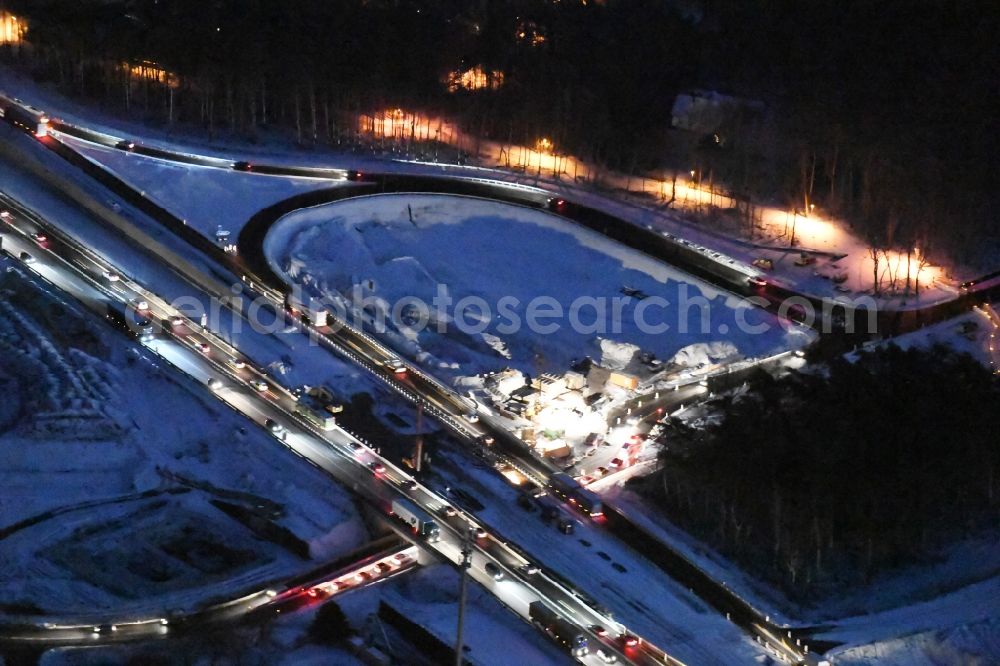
(418, 449)
(463, 587)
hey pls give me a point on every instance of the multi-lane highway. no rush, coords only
(204, 357)
(439, 401)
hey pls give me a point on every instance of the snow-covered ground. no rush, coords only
(973, 333)
(111, 462)
(399, 247)
(208, 198)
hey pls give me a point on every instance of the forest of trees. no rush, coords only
(821, 481)
(884, 113)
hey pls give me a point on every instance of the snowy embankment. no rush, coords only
(210, 199)
(380, 251)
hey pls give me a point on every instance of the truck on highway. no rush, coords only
(30, 120)
(419, 520)
(563, 632)
(129, 319)
(568, 489)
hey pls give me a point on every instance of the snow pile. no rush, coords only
(617, 355)
(700, 355)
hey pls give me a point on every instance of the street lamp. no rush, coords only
(463, 589)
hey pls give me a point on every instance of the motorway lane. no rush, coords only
(336, 451)
(453, 419)
(365, 342)
(351, 469)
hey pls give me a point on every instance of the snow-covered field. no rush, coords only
(113, 467)
(509, 259)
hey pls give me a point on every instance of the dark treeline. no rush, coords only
(820, 482)
(884, 113)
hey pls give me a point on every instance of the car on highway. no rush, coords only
(376, 467)
(395, 365)
(5, 215)
(41, 239)
(26, 258)
(480, 533)
(238, 364)
(214, 383)
(408, 484)
(317, 593)
(242, 166)
(472, 417)
(110, 276)
(259, 384)
(628, 640)
(176, 320)
(125, 145)
(530, 569)
(449, 511)
(202, 347)
(617, 462)
(353, 174)
(383, 567)
(495, 572)
(276, 429)
(606, 656)
(557, 204)
(139, 304)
